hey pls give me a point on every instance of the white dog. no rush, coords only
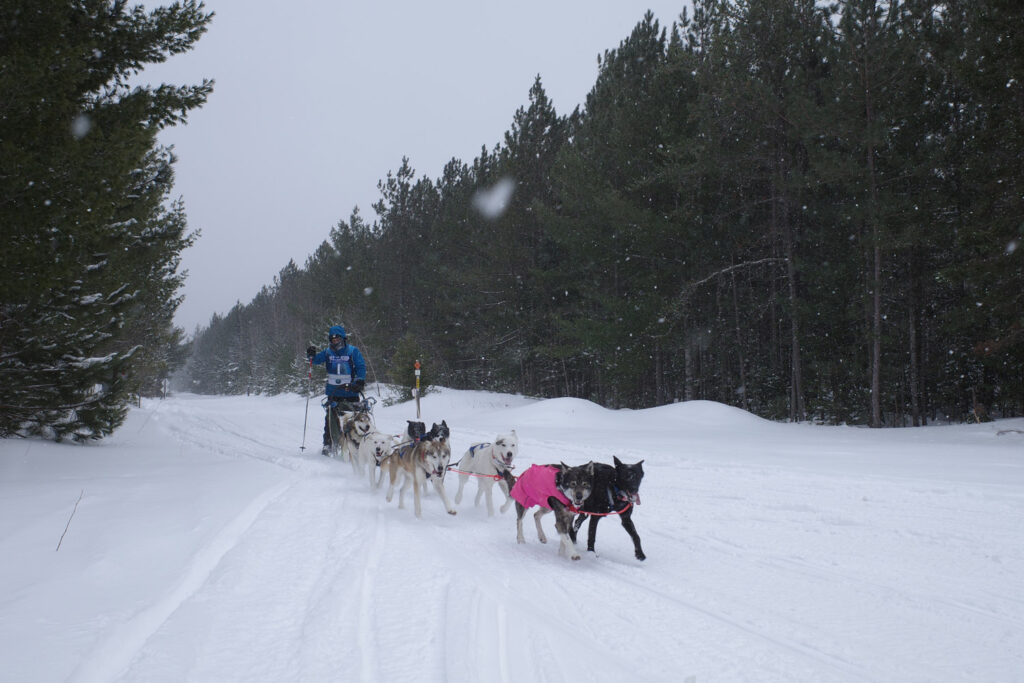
(374, 447)
(488, 463)
(354, 428)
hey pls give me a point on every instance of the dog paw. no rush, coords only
(641, 556)
(574, 557)
(451, 512)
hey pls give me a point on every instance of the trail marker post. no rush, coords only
(416, 391)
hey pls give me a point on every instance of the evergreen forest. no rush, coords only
(811, 211)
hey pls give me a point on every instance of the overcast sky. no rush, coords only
(316, 100)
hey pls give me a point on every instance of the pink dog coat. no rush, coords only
(535, 485)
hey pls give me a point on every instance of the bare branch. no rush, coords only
(70, 518)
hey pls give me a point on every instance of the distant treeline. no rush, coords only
(807, 211)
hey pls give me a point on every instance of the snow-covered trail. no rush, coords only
(775, 553)
(327, 581)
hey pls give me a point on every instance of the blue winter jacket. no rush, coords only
(344, 367)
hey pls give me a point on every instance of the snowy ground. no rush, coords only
(207, 547)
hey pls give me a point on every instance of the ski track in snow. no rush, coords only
(756, 571)
(110, 656)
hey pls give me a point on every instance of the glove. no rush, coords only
(359, 385)
(310, 351)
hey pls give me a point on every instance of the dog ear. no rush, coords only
(590, 467)
(562, 466)
(617, 461)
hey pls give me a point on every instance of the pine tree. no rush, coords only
(605, 296)
(522, 250)
(87, 279)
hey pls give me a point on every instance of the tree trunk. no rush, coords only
(783, 231)
(873, 225)
(797, 411)
(915, 401)
(745, 403)
(688, 370)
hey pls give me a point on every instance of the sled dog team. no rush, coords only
(574, 494)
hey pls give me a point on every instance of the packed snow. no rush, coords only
(200, 543)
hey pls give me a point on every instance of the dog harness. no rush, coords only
(499, 463)
(536, 485)
(474, 447)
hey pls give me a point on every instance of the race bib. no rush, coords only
(338, 371)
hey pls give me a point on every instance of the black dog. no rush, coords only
(440, 432)
(416, 430)
(616, 490)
